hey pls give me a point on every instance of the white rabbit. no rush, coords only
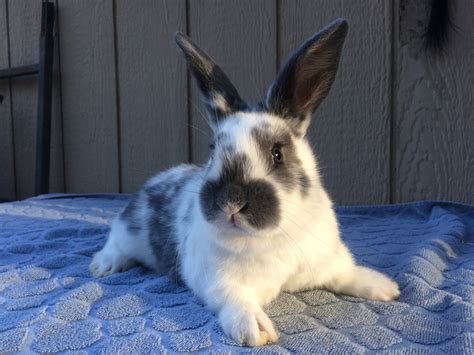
(255, 220)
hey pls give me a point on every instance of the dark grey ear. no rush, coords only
(220, 95)
(306, 78)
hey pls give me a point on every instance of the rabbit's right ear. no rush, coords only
(220, 95)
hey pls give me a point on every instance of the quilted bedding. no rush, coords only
(50, 303)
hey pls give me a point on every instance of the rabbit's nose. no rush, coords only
(231, 199)
(231, 208)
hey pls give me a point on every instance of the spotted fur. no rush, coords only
(255, 220)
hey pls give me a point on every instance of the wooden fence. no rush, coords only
(397, 126)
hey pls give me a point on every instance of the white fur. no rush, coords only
(236, 275)
(218, 102)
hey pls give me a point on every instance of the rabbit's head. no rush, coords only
(262, 170)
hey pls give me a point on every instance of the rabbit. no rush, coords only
(255, 220)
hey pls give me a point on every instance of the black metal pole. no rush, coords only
(18, 71)
(45, 87)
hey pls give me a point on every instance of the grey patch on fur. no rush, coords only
(260, 205)
(231, 194)
(290, 173)
(233, 171)
(130, 215)
(263, 207)
(160, 225)
(235, 167)
(162, 200)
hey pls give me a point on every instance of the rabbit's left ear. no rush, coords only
(220, 95)
(305, 80)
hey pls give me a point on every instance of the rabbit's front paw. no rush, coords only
(247, 327)
(106, 262)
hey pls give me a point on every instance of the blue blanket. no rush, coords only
(50, 303)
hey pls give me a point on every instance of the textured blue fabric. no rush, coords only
(50, 303)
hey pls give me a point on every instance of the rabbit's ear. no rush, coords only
(220, 95)
(306, 78)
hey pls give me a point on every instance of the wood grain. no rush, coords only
(24, 27)
(241, 36)
(7, 173)
(350, 130)
(89, 96)
(434, 117)
(152, 88)
(396, 126)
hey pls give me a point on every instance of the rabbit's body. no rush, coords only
(148, 230)
(255, 220)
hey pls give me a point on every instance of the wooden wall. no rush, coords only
(397, 125)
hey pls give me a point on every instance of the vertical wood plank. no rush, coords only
(434, 122)
(7, 170)
(24, 27)
(152, 88)
(350, 130)
(240, 35)
(89, 96)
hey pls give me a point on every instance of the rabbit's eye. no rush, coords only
(277, 155)
(211, 146)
